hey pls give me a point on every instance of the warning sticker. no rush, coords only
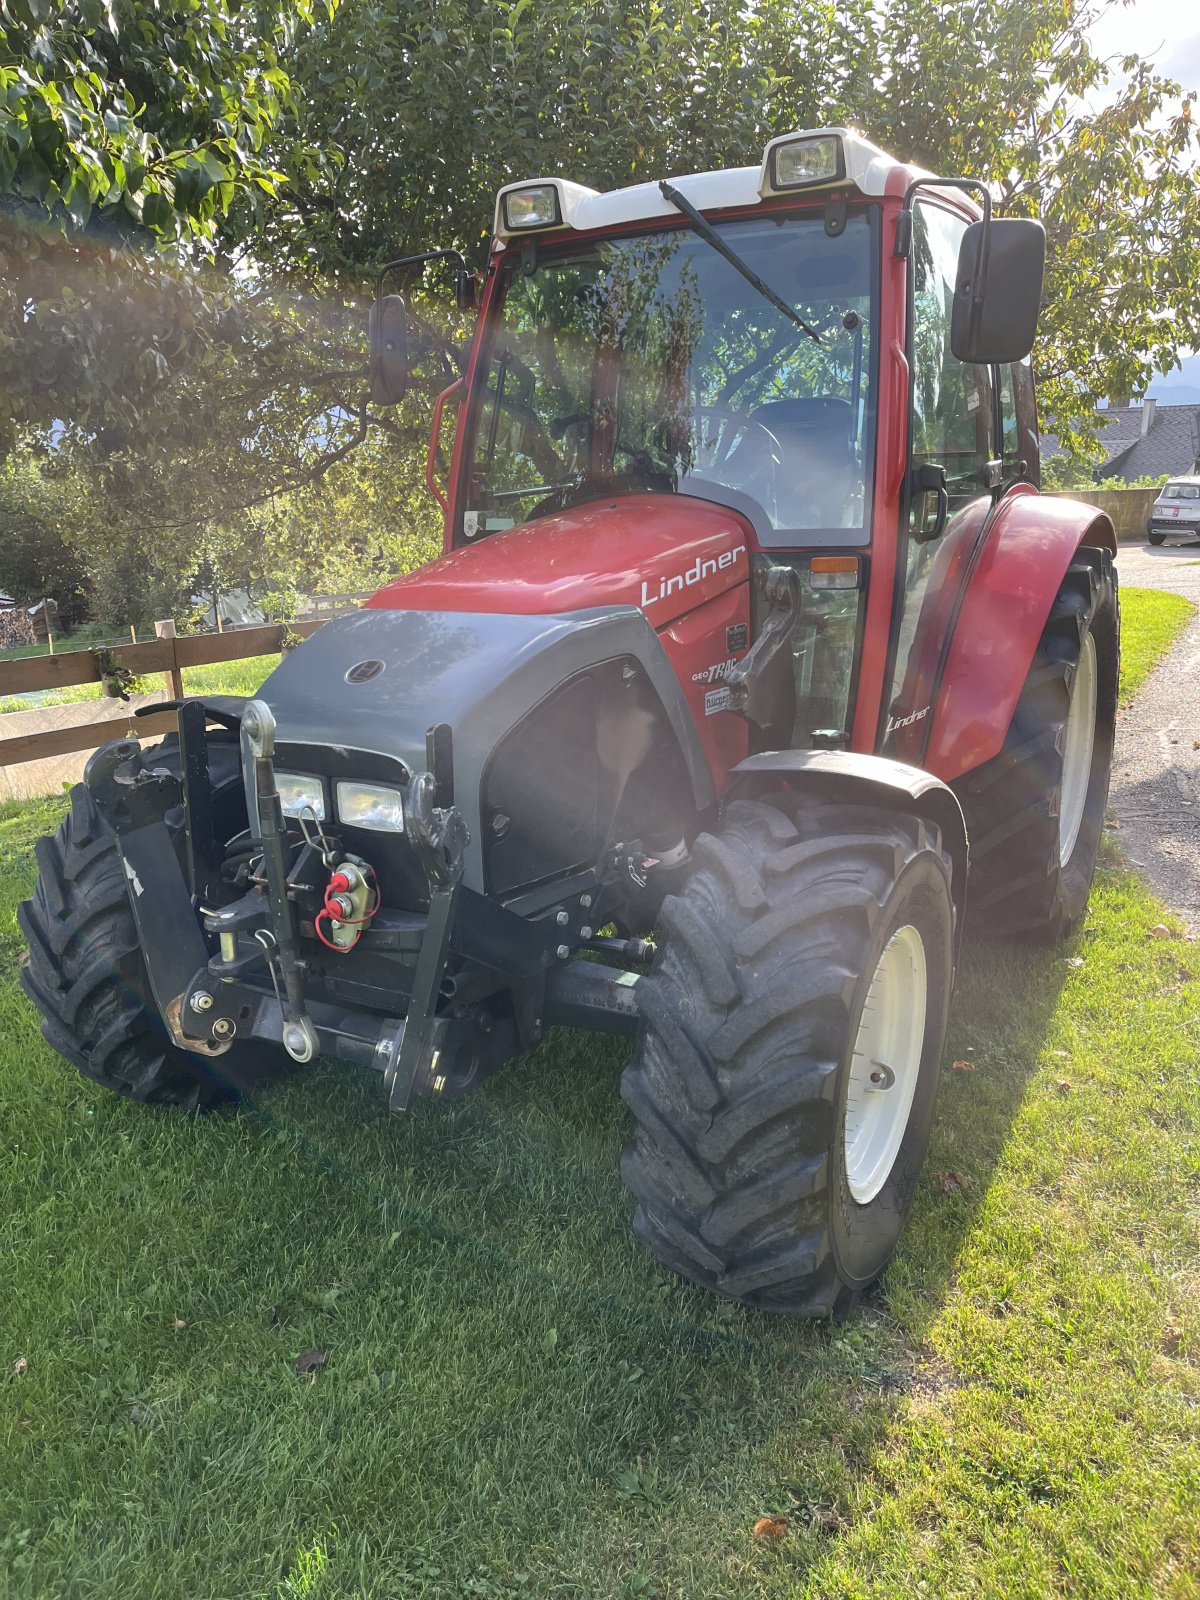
(716, 700)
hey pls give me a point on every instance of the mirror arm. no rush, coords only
(418, 261)
(903, 242)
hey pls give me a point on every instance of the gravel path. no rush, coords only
(1155, 794)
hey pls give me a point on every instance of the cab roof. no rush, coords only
(867, 168)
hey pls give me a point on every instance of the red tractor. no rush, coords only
(751, 619)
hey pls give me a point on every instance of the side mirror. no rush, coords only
(464, 289)
(389, 349)
(998, 291)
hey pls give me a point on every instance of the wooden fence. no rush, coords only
(168, 656)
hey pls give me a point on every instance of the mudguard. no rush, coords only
(850, 777)
(984, 629)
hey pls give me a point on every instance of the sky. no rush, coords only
(1169, 32)
(1166, 30)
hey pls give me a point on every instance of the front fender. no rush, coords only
(1010, 589)
(850, 778)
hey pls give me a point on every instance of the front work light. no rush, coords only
(371, 805)
(797, 163)
(300, 796)
(535, 206)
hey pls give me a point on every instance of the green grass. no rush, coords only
(227, 677)
(518, 1403)
(1151, 621)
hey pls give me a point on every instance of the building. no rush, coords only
(1144, 441)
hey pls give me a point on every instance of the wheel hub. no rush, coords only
(885, 1064)
(1077, 750)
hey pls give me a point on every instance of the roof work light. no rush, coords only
(800, 163)
(534, 205)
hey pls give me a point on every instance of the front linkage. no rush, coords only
(469, 984)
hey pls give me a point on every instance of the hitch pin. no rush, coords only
(266, 938)
(321, 843)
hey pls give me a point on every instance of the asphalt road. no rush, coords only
(1155, 795)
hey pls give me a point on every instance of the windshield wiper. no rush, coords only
(710, 236)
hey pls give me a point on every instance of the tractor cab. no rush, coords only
(831, 347)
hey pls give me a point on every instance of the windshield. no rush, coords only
(1181, 491)
(650, 363)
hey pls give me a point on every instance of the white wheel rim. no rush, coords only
(885, 1065)
(1077, 750)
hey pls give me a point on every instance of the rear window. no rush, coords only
(1180, 491)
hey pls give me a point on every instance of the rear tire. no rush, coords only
(751, 1176)
(1155, 538)
(85, 973)
(1033, 816)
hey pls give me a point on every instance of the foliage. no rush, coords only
(423, 115)
(124, 128)
(1067, 471)
(117, 682)
(194, 399)
(1012, 92)
(37, 559)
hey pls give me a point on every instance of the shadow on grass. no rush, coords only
(650, 1424)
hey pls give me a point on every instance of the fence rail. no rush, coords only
(167, 656)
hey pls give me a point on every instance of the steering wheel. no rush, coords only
(742, 451)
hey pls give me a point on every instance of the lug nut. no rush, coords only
(562, 919)
(201, 1000)
(585, 901)
(585, 933)
(563, 951)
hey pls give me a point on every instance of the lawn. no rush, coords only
(517, 1403)
(1151, 622)
(227, 677)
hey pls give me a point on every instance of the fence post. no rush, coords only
(166, 630)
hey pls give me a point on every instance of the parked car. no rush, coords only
(1177, 510)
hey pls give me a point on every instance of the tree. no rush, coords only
(196, 397)
(127, 133)
(426, 112)
(1105, 153)
(36, 558)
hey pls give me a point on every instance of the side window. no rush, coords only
(951, 428)
(1018, 414)
(952, 403)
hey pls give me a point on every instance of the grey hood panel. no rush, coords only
(480, 672)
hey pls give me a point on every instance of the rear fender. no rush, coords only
(1009, 593)
(847, 777)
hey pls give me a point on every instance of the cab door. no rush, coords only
(952, 431)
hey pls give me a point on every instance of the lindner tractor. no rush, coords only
(751, 622)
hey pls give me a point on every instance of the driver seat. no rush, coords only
(817, 472)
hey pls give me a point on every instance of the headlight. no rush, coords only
(301, 796)
(371, 805)
(535, 206)
(800, 162)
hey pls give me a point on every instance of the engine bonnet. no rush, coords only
(665, 554)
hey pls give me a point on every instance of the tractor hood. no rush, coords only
(665, 554)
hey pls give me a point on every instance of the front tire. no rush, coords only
(805, 943)
(85, 973)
